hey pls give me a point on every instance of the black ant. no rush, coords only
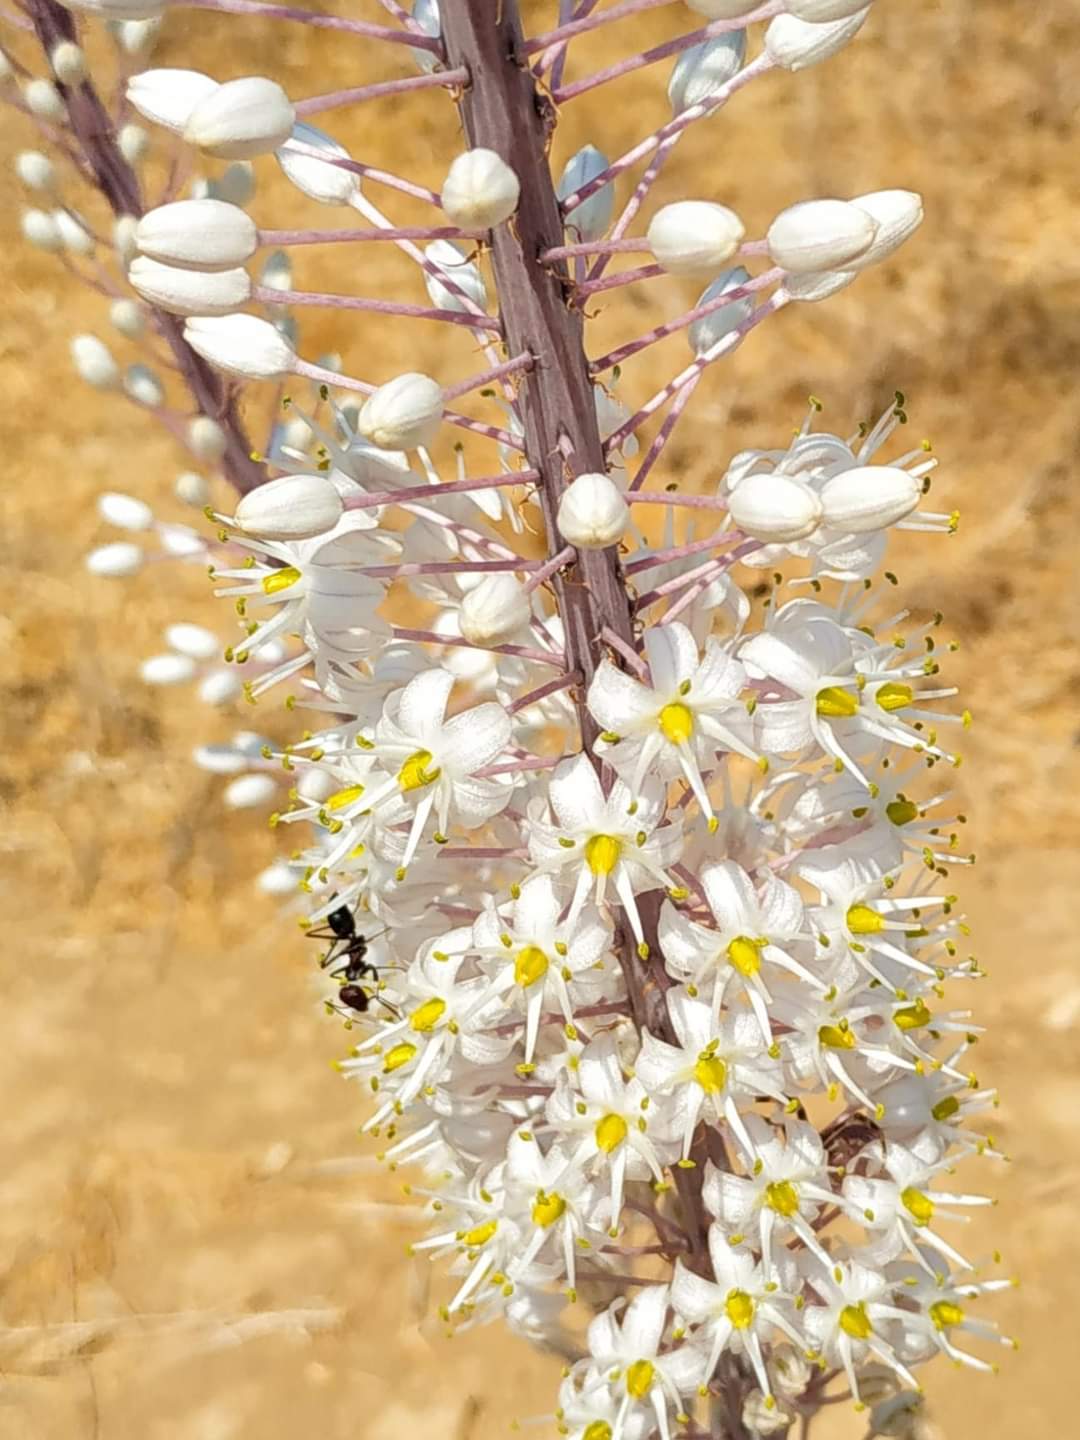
(348, 945)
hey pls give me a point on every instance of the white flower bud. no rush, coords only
(242, 118)
(190, 292)
(192, 488)
(235, 184)
(793, 44)
(277, 879)
(818, 284)
(44, 100)
(592, 512)
(133, 141)
(293, 507)
(220, 758)
(206, 439)
(198, 235)
(722, 9)
(775, 508)
(703, 334)
(68, 63)
(315, 784)
(74, 235)
(142, 385)
(219, 687)
(117, 9)
(898, 214)
(135, 36)
(181, 541)
(705, 69)
(480, 190)
(426, 15)
(693, 237)
(40, 229)
(276, 273)
(35, 170)
(6, 71)
(319, 180)
(248, 791)
(818, 12)
(167, 670)
(168, 97)
(126, 512)
(241, 345)
(194, 641)
(116, 561)
(465, 275)
(591, 218)
(494, 610)
(123, 238)
(763, 1417)
(127, 316)
(403, 414)
(819, 235)
(869, 497)
(94, 362)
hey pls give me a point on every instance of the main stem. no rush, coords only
(503, 111)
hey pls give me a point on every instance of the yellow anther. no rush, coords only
(398, 1056)
(414, 774)
(919, 1206)
(912, 1017)
(943, 1313)
(480, 1235)
(894, 696)
(837, 1037)
(427, 1016)
(341, 798)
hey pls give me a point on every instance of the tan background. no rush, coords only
(176, 1147)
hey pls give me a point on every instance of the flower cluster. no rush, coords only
(634, 854)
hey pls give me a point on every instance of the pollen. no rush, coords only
(946, 1109)
(610, 1133)
(279, 580)
(676, 722)
(782, 1197)
(531, 965)
(639, 1378)
(710, 1072)
(414, 774)
(912, 1017)
(919, 1206)
(341, 798)
(547, 1209)
(862, 920)
(398, 1056)
(893, 696)
(480, 1234)
(855, 1322)
(836, 703)
(837, 1037)
(902, 812)
(943, 1313)
(602, 853)
(739, 1308)
(745, 954)
(424, 1019)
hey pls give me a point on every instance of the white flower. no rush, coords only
(693, 237)
(480, 190)
(847, 1327)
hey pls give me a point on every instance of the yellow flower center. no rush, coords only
(280, 580)
(912, 1017)
(610, 1133)
(745, 954)
(480, 1235)
(602, 853)
(902, 812)
(837, 1037)
(739, 1309)
(598, 1430)
(414, 774)
(547, 1209)
(341, 798)
(710, 1072)
(427, 1016)
(782, 1197)
(946, 1109)
(861, 920)
(855, 1322)
(639, 1378)
(919, 1206)
(943, 1313)
(676, 722)
(397, 1057)
(835, 703)
(892, 696)
(531, 965)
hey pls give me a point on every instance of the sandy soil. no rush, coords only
(180, 1170)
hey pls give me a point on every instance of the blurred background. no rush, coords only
(194, 1245)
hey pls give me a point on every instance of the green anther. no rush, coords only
(946, 1109)
(902, 812)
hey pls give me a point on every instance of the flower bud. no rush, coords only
(190, 292)
(248, 791)
(591, 218)
(592, 512)
(123, 238)
(318, 179)
(869, 497)
(206, 439)
(403, 414)
(819, 235)
(133, 142)
(219, 687)
(235, 185)
(116, 561)
(703, 70)
(126, 512)
(278, 879)
(68, 63)
(775, 508)
(480, 190)
(494, 610)
(74, 235)
(127, 316)
(898, 214)
(142, 385)
(703, 334)
(181, 541)
(168, 97)
(293, 507)
(242, 118)
(167, 670)
(194, 641)
(818, 284)
(241, 345)
(198, 235)
(35, 170)
(446, 256)
(693, 237)
(425, 14)
(135, 36)
(94, 362)
(40, 230)
(191, 487)
(117, 9)
(794, 44)
(722, 9)
(818, 12)
(44, 100)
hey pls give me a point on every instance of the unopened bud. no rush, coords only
(143, 386)
(818, 12)
(116, 561)
(703, 334)
(40, 230)
(206, 439)
(869, 497)
(293, 507)
(480, 190)
(190, 292)
(137, 36)
(133, 141)
(241, 345)
(198, 234)
(794, 44)
(278, 879)
(126, 512)
(703, 70)
(168, 669)
(235, 185)
(464, 274)
(318, 179)
(494, 610)
(194, 641)
(168, 97)
(74, 236)
(403, 414)
(693, 237)
(35, 170)
(775, 508)
(68, 63)
(591, 218)
(219, 687)
(44, 100)
(592, 512)
(94, 362)
(819, 235)
(898, 214)
(241, 118)
(765, 1417)
(722, 9)
(117, 9)
(248, 791)
(818, 284)
(127, 317)
(123, 239)
(191, 487)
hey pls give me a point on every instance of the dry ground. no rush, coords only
(174, 1139)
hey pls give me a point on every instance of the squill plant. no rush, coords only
(644, 823)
